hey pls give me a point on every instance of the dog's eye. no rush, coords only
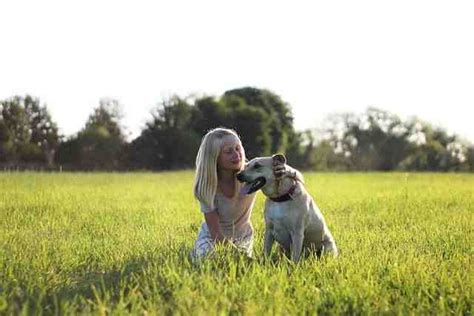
(257, 166)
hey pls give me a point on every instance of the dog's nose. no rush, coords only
(240, 177)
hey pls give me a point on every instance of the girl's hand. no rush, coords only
(225, 241)
(283, 170)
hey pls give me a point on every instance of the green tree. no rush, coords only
(169, 140)
(374, 140)
(279, 114)
(27, 132)
(379, 140)
(300, 150)
(209, 113)
(44, 132)
(252, 124)
(68, 153)
(100, 144)
(231, 111)
(470, 158)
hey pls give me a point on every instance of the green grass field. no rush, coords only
(119, 243)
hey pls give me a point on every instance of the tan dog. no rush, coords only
(291, 216)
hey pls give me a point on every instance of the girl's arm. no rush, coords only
(285, 170)
(212, 221)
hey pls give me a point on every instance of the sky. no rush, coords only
(412, 58)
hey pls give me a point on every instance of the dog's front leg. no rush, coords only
(268, 241)
(329, 245)
(297, 244)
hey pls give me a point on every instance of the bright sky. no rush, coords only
(408, 57)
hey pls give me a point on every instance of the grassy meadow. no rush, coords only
(99, 243)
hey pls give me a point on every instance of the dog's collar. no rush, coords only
(287, 196)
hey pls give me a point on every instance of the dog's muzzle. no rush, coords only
(251, 187)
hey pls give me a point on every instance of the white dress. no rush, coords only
(234, 218)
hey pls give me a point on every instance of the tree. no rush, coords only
(27, 132)
(279, 113)
(44, 132)
(437, 151)
(379, 140)
(210, 113)
(470, 158)
(100, 144)
(231, 111)
(172, 138)
(68, 153)
(169, 140)
(15, 129)
(374, 140)
(252, 124)
(300, 150)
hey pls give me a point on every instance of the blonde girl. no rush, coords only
(226, 212)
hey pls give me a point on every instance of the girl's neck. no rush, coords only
(227, 183)
(226, 176)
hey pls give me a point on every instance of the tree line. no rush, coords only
(373, 140)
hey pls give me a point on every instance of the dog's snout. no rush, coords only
(240, 177)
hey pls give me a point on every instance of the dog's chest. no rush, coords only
(279, 216)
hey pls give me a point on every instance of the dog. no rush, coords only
(291, 215)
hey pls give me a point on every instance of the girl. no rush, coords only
(226, 211)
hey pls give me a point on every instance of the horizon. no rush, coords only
(410, 59)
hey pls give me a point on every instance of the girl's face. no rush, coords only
(231, 156)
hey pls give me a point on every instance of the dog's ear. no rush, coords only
(279, 159)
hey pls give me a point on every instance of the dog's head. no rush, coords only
(258, 173)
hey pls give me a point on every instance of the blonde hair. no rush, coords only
(205, 182)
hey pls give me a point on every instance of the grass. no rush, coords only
(119, 243)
